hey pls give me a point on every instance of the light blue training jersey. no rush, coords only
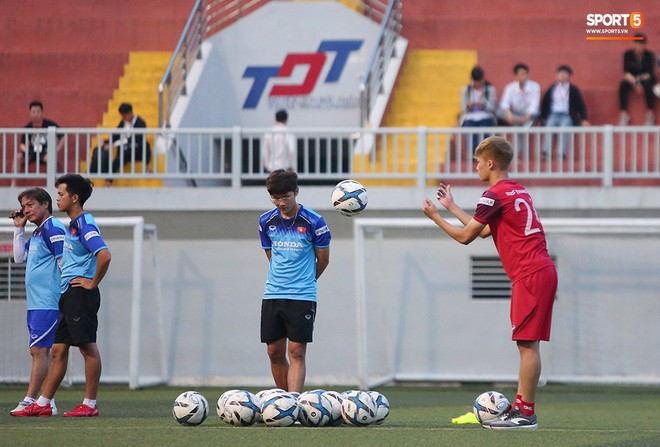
(42, 272)
(81, 243)
(292, 271)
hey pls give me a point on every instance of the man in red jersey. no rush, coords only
(506, 212)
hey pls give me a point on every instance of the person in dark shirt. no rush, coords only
(639, 75)
(562, 106)
(34, 146)
(130, 147)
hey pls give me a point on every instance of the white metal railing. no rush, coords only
(371, 84)
(187, 50)
(595, 155)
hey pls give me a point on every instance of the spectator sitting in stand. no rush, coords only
(478, 102)
(520, 104)
(639, 75)
(37, 146)
(520, 99)
(130, 147)
(562, 106)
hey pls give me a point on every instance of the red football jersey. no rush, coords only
(516, 229)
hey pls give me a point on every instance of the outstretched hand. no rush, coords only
(444, 195)
(429, 208)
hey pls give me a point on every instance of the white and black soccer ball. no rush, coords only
(190, 408)
(241, 409)
(358, 408)
(382, 407)
(220, 406)
(335, 400)
(314, 409)
(279, 409)
(489, 406)
(258, 399)
(349, 198)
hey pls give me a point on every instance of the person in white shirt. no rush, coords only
(521, 98)
(520, 104)
(280, 150)
(562, 106)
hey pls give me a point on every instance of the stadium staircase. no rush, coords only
(427, 94)
(139, 86)
(71, 58)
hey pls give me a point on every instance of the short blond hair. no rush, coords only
(497, 149)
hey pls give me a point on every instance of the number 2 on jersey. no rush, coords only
(530, 215)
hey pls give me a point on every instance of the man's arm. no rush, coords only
(322, 260)
(102, 263)
(446, 199)
(463, 235)
(20, 252)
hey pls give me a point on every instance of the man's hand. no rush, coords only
(429, 208)
(85, 283)
(19, 219)
(444, 195)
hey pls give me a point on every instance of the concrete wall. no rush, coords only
(422, 321)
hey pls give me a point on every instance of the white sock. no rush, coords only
(28, 399)
(43, 401)
(89, 402)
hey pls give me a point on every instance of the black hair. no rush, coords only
(565, 68)
(78, 185)
(282, 181)
(125, 107)
(38, 194)
(477, 74)
(281, 116)
(643, 39)
(519, 66)
(36, 104)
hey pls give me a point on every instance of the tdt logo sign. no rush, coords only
(315, 61)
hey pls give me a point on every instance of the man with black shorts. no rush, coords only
(42, 254)
(85, 261)
(296, 241)
(506, 212)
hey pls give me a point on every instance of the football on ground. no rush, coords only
(335, 400)
(349, 198)
(190, 408)
(358, 408)
(382, 407)
(241, 409)
(279, 409)
(314, 409)
(489, 406)
(220, 407)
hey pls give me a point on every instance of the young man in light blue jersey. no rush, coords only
(85, 261)
(43, 255)
(296, 241)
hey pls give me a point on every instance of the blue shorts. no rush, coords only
(42, 325)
